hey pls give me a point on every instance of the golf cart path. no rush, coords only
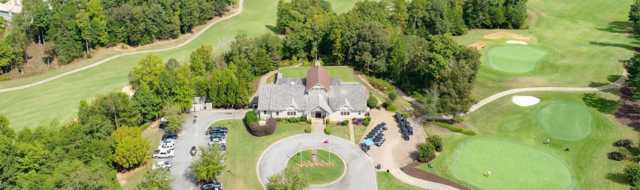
(359, 173)
(198, 34)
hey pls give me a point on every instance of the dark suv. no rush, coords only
(211, 186)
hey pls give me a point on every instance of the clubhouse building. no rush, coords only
(315, 96)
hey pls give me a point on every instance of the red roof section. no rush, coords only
(318, 75)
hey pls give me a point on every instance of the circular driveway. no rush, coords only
(360, 173)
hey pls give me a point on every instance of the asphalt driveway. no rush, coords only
(360, 173)
(194, 134)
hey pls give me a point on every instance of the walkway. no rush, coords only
(226, 17)
(360, 173)
(195, 134)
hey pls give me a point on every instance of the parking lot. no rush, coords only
(195, 134)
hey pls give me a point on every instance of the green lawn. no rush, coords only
(509, 137)
(387, 182)
(318, 174)
(584, 42)
(514, 58)
(244, 150)
(343, 73)
(59, 99)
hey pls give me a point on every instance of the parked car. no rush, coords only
(211, 186)
(164, 164)
(164, 154)
(169, 136)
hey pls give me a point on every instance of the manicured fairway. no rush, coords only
(320, 174)
(512, 58)
(565, 120)
(340, 72)
(511, 166)
(59, 99)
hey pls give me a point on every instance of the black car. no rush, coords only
(193, 151)
(169, 136)
(211, 186)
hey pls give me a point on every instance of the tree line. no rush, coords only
(74, 28)
(408, 43)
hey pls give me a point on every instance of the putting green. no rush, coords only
(514, 58)
(565, 120)
(511, 166)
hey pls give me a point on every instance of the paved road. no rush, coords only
(360, 172)
(226, 17)
(194, 134)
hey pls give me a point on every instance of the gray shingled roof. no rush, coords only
(290, 93)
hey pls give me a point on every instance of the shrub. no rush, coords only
(295, 119)
(250, 118)
(381, 84)
(436, 142)
(390, 106)
(307, 129)
(327, 130)
(617, 156)
(426, 152)
(366, 121)
(372, 102)
(344, 123)
(269, 128)
(393, 95)
(632, 173)
(623, 143)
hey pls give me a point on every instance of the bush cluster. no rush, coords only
(436, 142)
(453, 128)
(617, 156)
(626, 143)
(251, 122)
(426, 152)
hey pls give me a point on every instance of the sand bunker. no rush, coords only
(517, 42)
(525, 101)
(477, 45)
(506, 35)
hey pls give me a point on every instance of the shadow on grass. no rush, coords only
(601, 104)
(617, 27)
(613, 44)
(617, 177)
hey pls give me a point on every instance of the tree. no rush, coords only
(372, 102)
(436, 142)
(73, 174)
(147, 103)
(176, 86)
(426, 152)
(225, 89)
(174, 118)
(155, 180)
(147, 71)
(92, 22)
(632, 172)
(202, 60)
(114, 108)
(63, 32)
(209, 165)
(131, 149)
(633, 78)
(5, 130)
(289, 179)
(634, 16)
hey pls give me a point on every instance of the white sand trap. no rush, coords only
(517, 42)
(128, 90)
(525, 101)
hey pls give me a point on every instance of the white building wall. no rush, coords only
(278, 114)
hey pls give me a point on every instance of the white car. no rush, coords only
(165, 146)
(164, 154)
(166, 164)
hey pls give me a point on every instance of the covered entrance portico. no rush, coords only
(318, 113)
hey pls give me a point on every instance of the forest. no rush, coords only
(73, 28)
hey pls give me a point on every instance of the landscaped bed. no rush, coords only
(327, 167)
(513, 149)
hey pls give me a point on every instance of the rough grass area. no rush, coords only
(585, 43)
(342, 73)
(243, 151)
(586, 159)
(59, 99)
(327, 168)
(387, 182)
